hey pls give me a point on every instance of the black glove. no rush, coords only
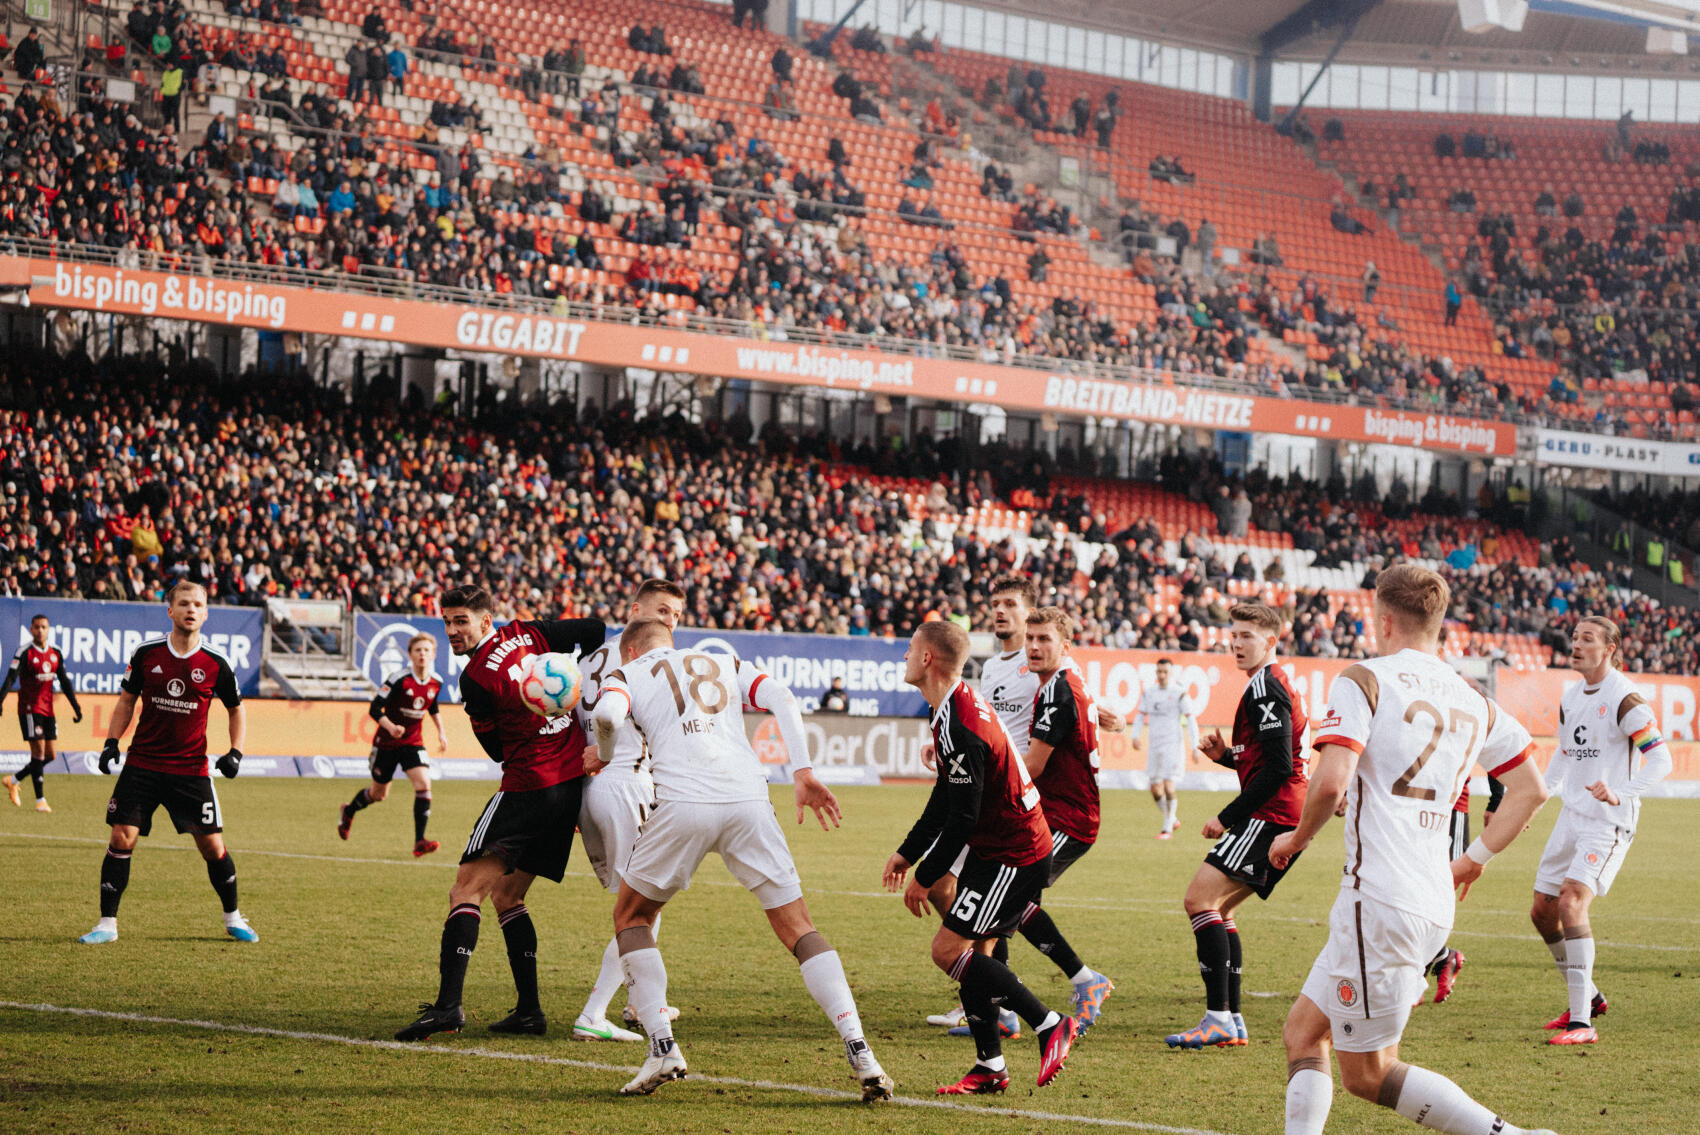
(76, 715)
(229, 763)
(108, 756)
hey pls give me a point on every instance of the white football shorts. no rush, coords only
(1371, 971)
(746, 835)
(1166, 760)
(1587, 850)
(609, 820)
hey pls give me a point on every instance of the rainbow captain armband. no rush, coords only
(1646, 738)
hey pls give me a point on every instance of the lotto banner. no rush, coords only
(91, 287)
(97, 638)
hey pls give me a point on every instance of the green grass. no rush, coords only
(349, 945)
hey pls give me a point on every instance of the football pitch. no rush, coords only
(174, 1028)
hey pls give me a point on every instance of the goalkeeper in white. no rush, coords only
(711, 795)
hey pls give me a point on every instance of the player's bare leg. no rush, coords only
(520, 936)
(1310, 1085)
(646, 979)
(473, 884)
(1211, 899)
(987, 983)
(823, 975)
(1564, 925)
(421, 781)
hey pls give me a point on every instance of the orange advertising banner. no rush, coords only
(103, 288)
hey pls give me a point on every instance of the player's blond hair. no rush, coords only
(419, 638)
(1417, 597)
(1053, 616)
(947, 641)
(1608, 631)
(182, 585)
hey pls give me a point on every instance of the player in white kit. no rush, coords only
(1400, 736)
(711, 795)
(1172, 717)
(1609, 754)
(617, 799)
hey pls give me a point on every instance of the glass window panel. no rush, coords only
(1402, 88)
(1230, 78)
(1372, 88)
(1519, 93)
(1688, 100)
(1433, 87)
(1056, 45)
(1636, 97)
(1095, 52)
(1284, 84)
(1168, 66)
(1187, 77)
(1578, 96)
(1661, 100)
(1114, 63)
(1549, 96)
(1608, 96)
(991, 38)
(1076, 57)
(1343, 86)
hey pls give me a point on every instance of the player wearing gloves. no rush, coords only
(175, 680)
(711, 795)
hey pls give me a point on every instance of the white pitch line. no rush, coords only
(595, 1066)
(1070, 904)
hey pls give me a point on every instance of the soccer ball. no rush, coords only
(549, 684)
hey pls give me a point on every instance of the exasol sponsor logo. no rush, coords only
(537, 334)
(1155, 403)
(835, 368)
(1406, 429)
(113, 288)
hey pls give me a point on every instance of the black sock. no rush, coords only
(521, 937)
(222, 872)
(1039, 929)
(1000, 950)
(1234, 960)
(361, 800)
(982, 1019)
(114, 877)
(34, 770)
(421, 814)
(460, 938)
(1214, 959)
(987, 980)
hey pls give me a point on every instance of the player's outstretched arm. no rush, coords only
(612, 709)
(1335, 766)
(811, 793)
(70, 691)
(1525, 792)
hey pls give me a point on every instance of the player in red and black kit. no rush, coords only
(1268, 755)
(34, 669)
(176, 679)
(400, 709)
(981, 851)
(1062, 757)
(526, 829)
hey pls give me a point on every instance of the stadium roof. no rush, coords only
(1592, 34)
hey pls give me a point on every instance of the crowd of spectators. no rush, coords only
(119, 479)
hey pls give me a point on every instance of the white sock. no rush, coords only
(1220, 1017)
(1085, 974)
(1579, 976)
(610, 978)
(992, 1063)
(107, 924)
(1051, 1019)
(1171, 807)
(1310, 1094)
(231, 918)
(1430, 1099)
(823, 974)
(1162, 808)
(646, 980)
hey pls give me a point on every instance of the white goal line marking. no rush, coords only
(1071, 904)
(594, 1066)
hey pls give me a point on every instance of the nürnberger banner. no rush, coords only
(99, 287)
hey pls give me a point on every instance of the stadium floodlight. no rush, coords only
(1492, 15)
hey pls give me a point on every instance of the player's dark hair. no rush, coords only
(1165, 661)
(468, 595)
(181, 585)
(643, 635)
(1263, 616)
(34, 619)
(1054, 616)
(1416, 596)
(1608, 631)
(1019, 584)
(659, 587)
(417, 639)
(947, 640)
